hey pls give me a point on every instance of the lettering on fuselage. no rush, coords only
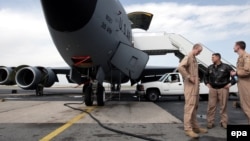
(123, 28)
(109, 19)
(106, 25)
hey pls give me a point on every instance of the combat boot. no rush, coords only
(200, 130)
(210, 125)
(224, 125)
(191, 134)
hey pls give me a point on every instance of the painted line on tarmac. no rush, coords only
(59, 130)
(12, 98)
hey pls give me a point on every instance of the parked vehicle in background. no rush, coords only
(171, 84)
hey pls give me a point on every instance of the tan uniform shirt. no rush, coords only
(189, 67)
(243, 65)
(243, 71)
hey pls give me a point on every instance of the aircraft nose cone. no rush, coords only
(68, 15)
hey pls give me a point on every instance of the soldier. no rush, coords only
(243, 73)
(217, 79)
(189, 70)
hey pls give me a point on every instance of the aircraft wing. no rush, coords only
(61, 70)
(8, 75)
(28, 77)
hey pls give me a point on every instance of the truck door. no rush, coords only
(173, 85)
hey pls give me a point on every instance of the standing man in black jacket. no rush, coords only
(218, 81)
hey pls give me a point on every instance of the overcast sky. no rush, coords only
(24, 37)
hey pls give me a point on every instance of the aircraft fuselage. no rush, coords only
(87, 30)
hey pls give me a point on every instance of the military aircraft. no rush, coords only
(94, 37)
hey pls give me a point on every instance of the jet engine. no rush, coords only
(7, 76)
(30, 77)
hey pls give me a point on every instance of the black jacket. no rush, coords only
(219, 76)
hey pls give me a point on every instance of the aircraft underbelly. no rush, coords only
(106, 36)
(98, 39)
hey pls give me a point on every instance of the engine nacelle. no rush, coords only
(7, 76)
(30, 77)
(49, 76)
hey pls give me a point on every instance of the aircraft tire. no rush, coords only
(88, 95)
(100, 95)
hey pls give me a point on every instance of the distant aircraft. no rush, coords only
(94, 37)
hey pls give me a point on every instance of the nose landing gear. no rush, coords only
(94, 90)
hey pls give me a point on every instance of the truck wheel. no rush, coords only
(153, 95)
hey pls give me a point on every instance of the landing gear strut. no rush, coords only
(91, 90)
(115, 87)
(39, 90)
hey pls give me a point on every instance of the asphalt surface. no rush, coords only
(83, 131)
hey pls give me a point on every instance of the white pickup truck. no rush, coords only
(171, 84)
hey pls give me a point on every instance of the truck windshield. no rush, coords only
(163, 77)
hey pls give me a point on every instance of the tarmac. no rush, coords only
(133, 116)
(24, 116)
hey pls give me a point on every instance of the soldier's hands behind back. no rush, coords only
(192, 80)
